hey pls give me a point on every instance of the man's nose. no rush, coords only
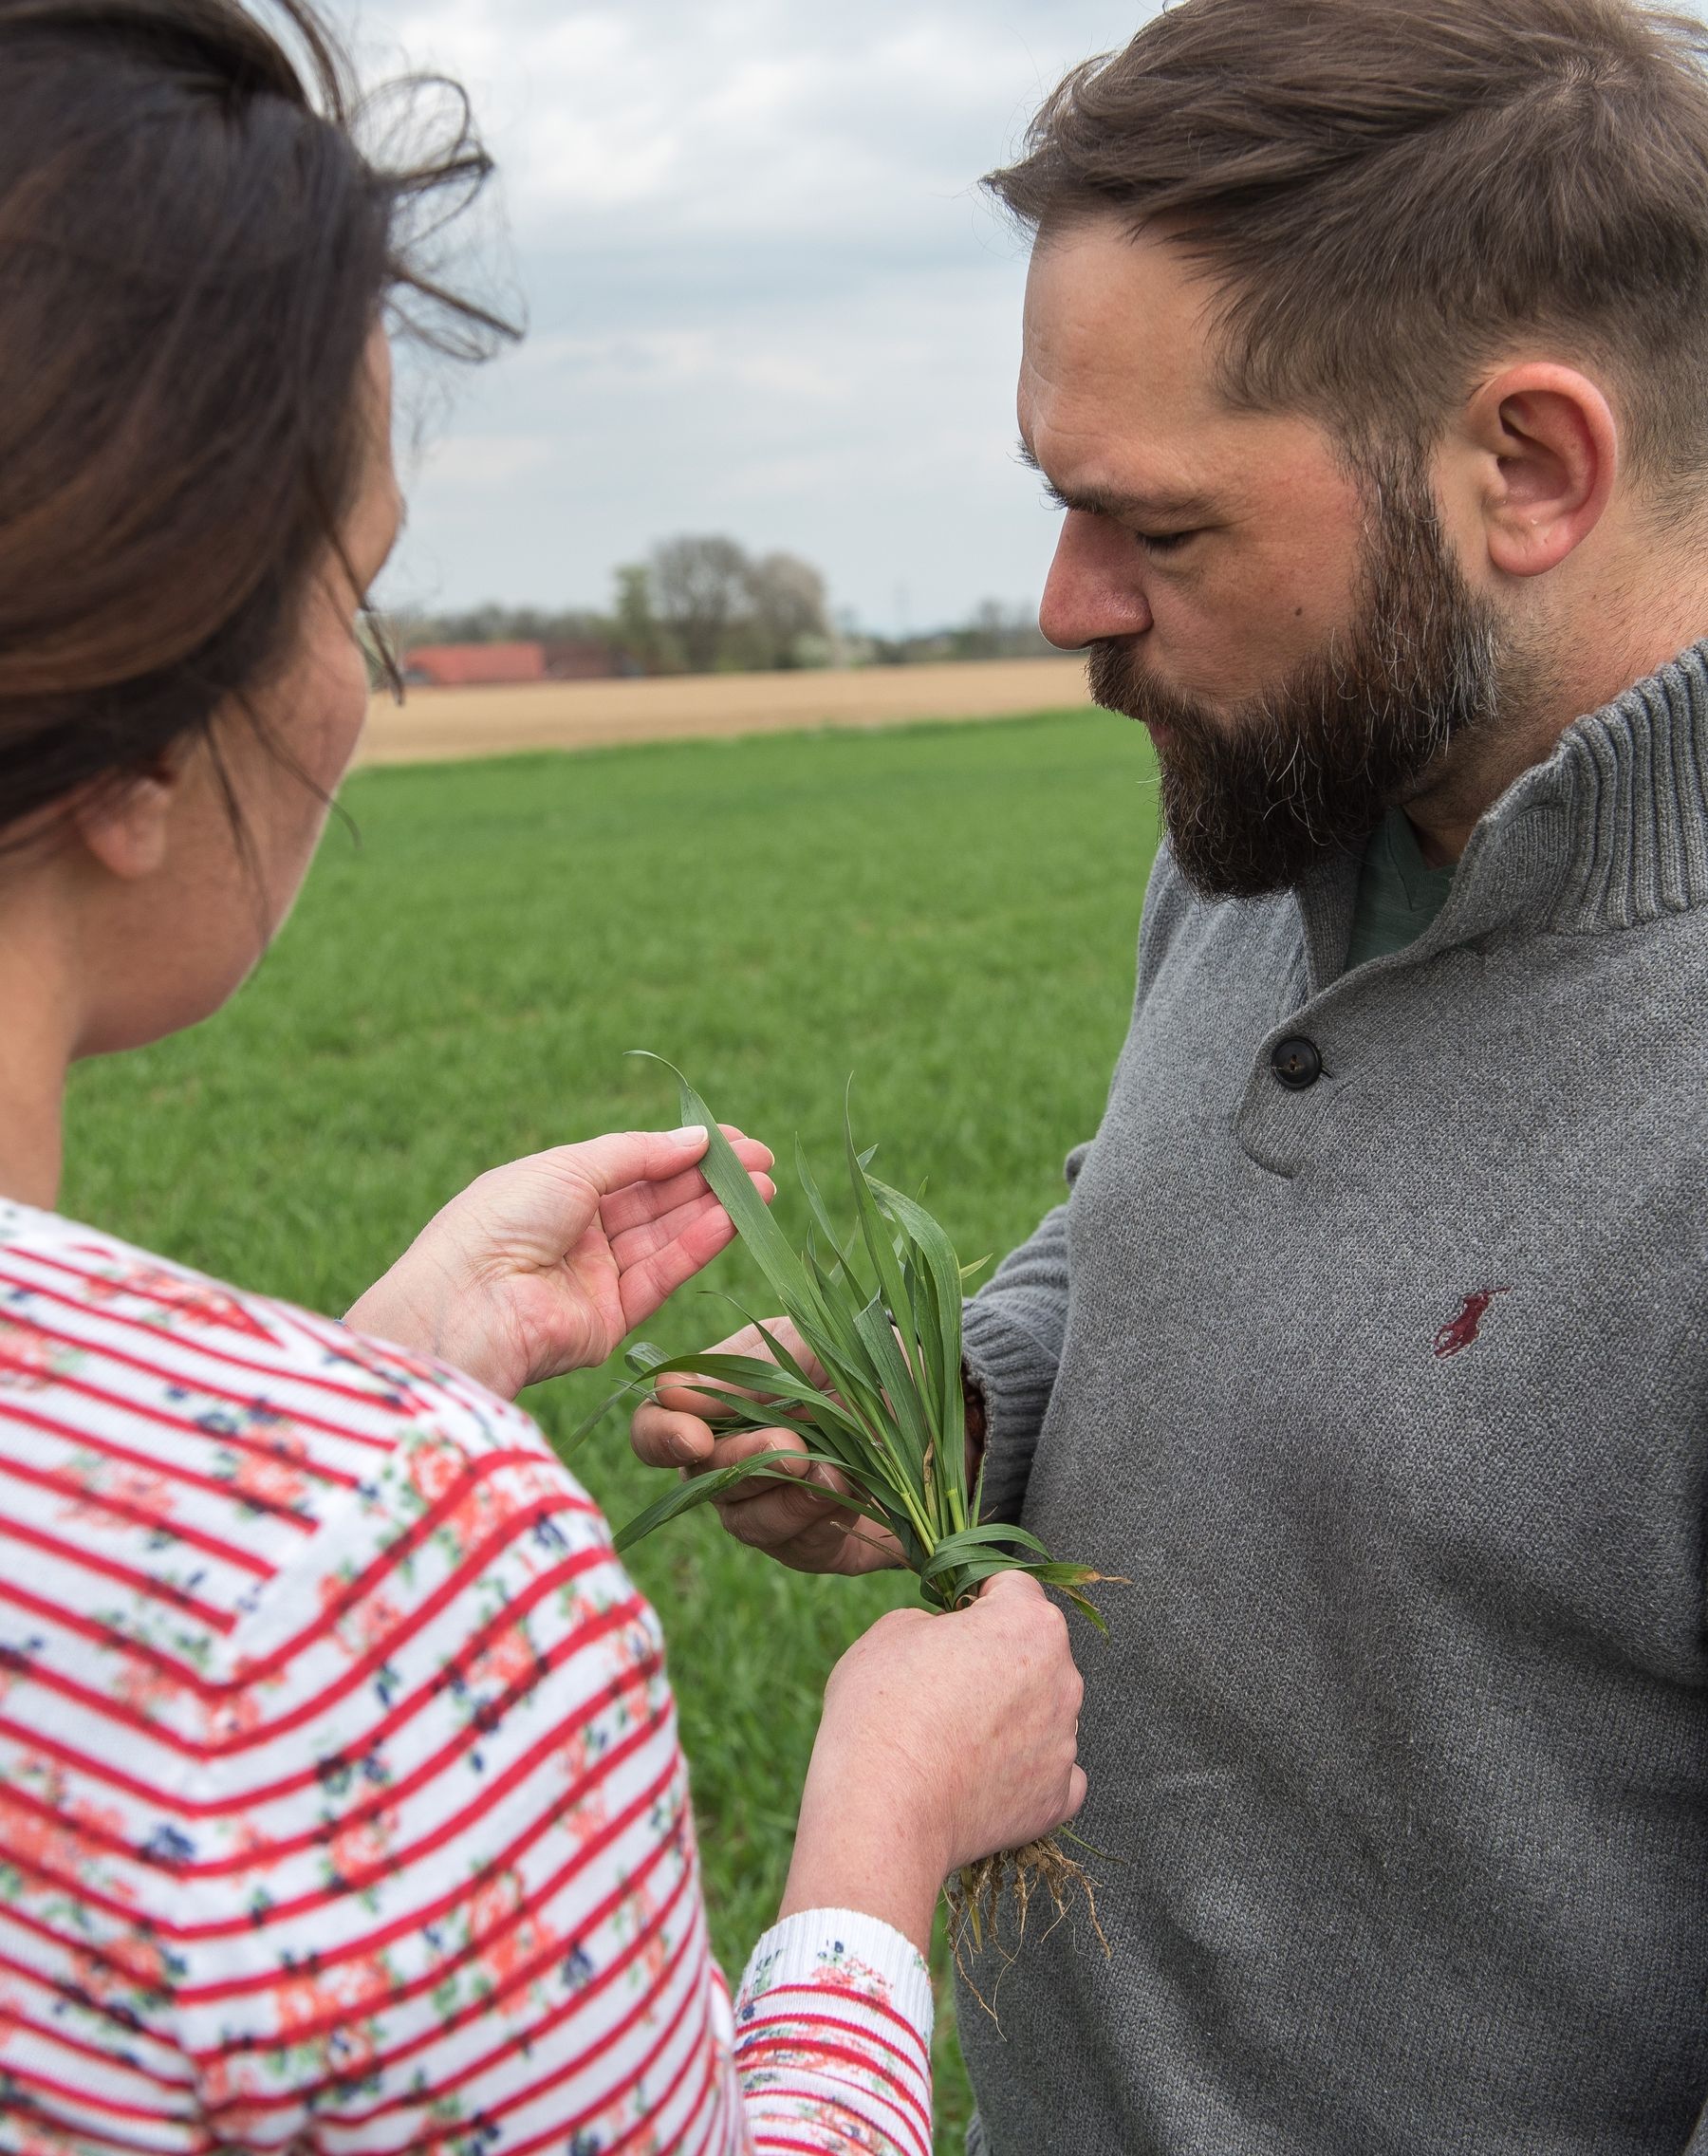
(1094, 588)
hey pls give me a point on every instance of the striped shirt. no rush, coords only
(341, 1802)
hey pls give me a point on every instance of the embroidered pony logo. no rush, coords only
(1463, 1332)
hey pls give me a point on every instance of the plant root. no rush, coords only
(978, 1893)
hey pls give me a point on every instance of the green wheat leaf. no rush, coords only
(889, 1416)
(687, 1496)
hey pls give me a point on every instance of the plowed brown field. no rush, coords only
(437, 724)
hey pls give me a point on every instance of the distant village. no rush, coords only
(696, 605)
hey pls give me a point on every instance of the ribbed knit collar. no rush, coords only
(1610, 833)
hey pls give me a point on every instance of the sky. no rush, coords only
(764, 294)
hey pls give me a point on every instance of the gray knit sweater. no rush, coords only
(1389, 1394)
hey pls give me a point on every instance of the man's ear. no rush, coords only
(125, 823)
(1540, 446)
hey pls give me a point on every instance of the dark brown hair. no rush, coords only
(1390, 192)
(193, 253)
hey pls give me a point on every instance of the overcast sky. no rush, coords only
(765, 296)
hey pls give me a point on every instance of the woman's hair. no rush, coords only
(194, 251)
(1393, 191)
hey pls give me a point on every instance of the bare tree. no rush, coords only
(787, 601)
(636, 622)
(699, 593)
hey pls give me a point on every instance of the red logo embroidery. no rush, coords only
(1461, 1332)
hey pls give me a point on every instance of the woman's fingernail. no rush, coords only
(689, 1131)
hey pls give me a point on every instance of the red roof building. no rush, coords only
(474, 666)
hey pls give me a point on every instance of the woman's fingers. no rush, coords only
(1011, 1587)
(661, 1234)
(647, 1284)
(649, 1238)
(975, 1716)
(640, 1201)
(623, 1157)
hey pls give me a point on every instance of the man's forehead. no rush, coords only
(1120, 399)
(1108, 305)
(1117, 347)
(1127, 455)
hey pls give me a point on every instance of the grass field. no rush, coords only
(949, 913)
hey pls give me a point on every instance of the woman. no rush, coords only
(341, 1804)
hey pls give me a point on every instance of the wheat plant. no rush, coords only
(879, 1309)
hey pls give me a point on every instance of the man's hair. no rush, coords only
(1393, 193)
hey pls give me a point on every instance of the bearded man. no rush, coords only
(1366, 348)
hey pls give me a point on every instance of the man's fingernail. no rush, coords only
(688, 1131)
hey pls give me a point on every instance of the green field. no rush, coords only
(946, 912)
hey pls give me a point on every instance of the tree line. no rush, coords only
(703, 605)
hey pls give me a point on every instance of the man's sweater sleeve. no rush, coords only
(1015, 1326)
(1014, 1329)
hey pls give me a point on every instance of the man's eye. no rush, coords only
(1163, 542)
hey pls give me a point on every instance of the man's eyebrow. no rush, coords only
(1143, 508)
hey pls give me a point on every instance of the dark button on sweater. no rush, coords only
(1298, 1064)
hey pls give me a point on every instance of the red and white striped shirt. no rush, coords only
(341, 1802)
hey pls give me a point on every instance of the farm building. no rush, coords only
(487, 665)
(474, 666)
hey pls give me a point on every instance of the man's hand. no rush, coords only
(545, 1265)
(801, 1524)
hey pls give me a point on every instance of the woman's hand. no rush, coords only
(944, 1739)
(545, 1265)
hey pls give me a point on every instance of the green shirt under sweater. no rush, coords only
(1387, 1393)
(1399, 894)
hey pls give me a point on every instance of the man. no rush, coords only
(1367, 346)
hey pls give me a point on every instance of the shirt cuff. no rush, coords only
(845, 1951)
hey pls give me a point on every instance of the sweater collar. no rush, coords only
(1610, 831)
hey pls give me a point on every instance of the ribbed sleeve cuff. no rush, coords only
(842, 1950)
(1014, 1377)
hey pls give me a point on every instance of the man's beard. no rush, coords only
(1255, 798)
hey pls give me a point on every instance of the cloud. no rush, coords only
(764, 295)
(476, 463)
